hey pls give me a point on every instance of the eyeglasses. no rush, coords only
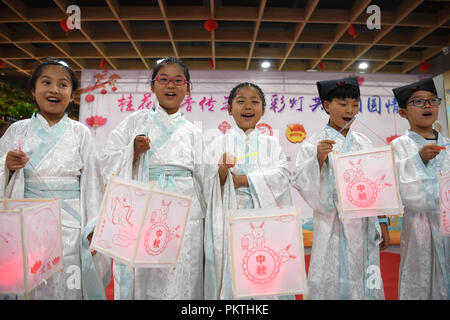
(420, 103)
(163, 80)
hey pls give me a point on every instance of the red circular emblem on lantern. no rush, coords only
(156, 239)
(261, 265)
(362, 192)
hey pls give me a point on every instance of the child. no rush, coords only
(257, 178)
(59, 160)
(425, 254)
(345, 255)
(161, 145)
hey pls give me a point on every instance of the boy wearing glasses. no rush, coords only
(421, 157)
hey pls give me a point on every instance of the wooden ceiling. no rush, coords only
(292, 34)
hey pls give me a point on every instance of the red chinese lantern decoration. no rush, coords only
(64, 26)
(211, 63)
(89, 98)
(103, 91)
(320, 65)
(210, 25)
(424, 67)
(102, 63)
(2, 63)
(351, 31)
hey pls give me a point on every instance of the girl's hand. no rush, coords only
(324, 147)
(226, 161)
(429, 152)
(141, 144)
(16, 160)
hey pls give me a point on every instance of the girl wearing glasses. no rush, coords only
(161, 145)
(421, 157)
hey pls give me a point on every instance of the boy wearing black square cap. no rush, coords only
(345, 256)
(421, 157)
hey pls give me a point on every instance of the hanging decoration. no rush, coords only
(210, 25)
(102, 63)
(424, 67)
(351, 31)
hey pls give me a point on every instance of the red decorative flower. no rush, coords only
(95, 121)
(210, 25)
(224, 127)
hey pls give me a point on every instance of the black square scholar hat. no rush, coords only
(402, 94)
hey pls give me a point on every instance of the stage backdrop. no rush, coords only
(293, 111)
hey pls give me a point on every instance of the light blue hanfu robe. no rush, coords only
(345, 257)
(63, 164)
(424, 272)
(262, 160)
(176, 161)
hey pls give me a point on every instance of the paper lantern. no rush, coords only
(424, 67)
(210, 25)
(444, 188)
(367, 184)
(64, 26)
(351, 31)
(103, 91)
(95, 121)
(30, 246)
(141, 225)
(320, 65)
(267, 254)
(102, 63)
(2, 63)
(211, 63)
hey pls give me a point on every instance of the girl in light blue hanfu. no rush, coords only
(252, 173)
(161, 145)
(56, 158)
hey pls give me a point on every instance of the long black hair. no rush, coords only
(234, 91)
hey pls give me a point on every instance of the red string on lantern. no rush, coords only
(424, 67)
(210, 25)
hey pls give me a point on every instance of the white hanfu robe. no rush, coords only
(176, 161)
(261, 158)
(345, 257)
(424, 271)
(63, 164)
